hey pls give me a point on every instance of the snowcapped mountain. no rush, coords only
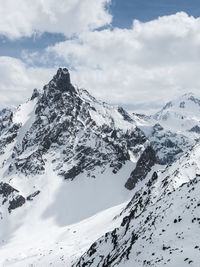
(78, 132)
(173, 129)
(81, 182)
(64, 157)
(160, 225)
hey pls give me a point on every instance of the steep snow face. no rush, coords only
(174, 129)
(24, 112)
(161, 223)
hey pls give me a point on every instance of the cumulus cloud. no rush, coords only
(20, 18)
(18, 81)
(153, 61)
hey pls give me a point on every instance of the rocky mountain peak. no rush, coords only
(62, 74)
(58, 92)
(79, 133)
(61, 81)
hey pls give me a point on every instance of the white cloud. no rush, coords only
(153, 61)
(17, 81)
(20, 18)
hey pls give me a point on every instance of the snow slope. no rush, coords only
(57, 226)
(162, 225)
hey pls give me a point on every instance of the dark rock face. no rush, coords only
(168, 105)
(143, 166)
(35, 94)
(32, 196)
(125, 114)
(6, 190)
(11, 196)
(6, 116)
(194, 99)
(8, 129)
(16, 202)
(195, 129)
(182, 104)
(33, 164)
(62, 80)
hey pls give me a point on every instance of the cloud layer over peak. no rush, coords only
(151, 62)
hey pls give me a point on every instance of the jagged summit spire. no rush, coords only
(61, 82)
(62, 74)
(57, 91)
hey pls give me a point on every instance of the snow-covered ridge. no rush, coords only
(162, 224)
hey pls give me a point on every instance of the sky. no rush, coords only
(135, 53)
